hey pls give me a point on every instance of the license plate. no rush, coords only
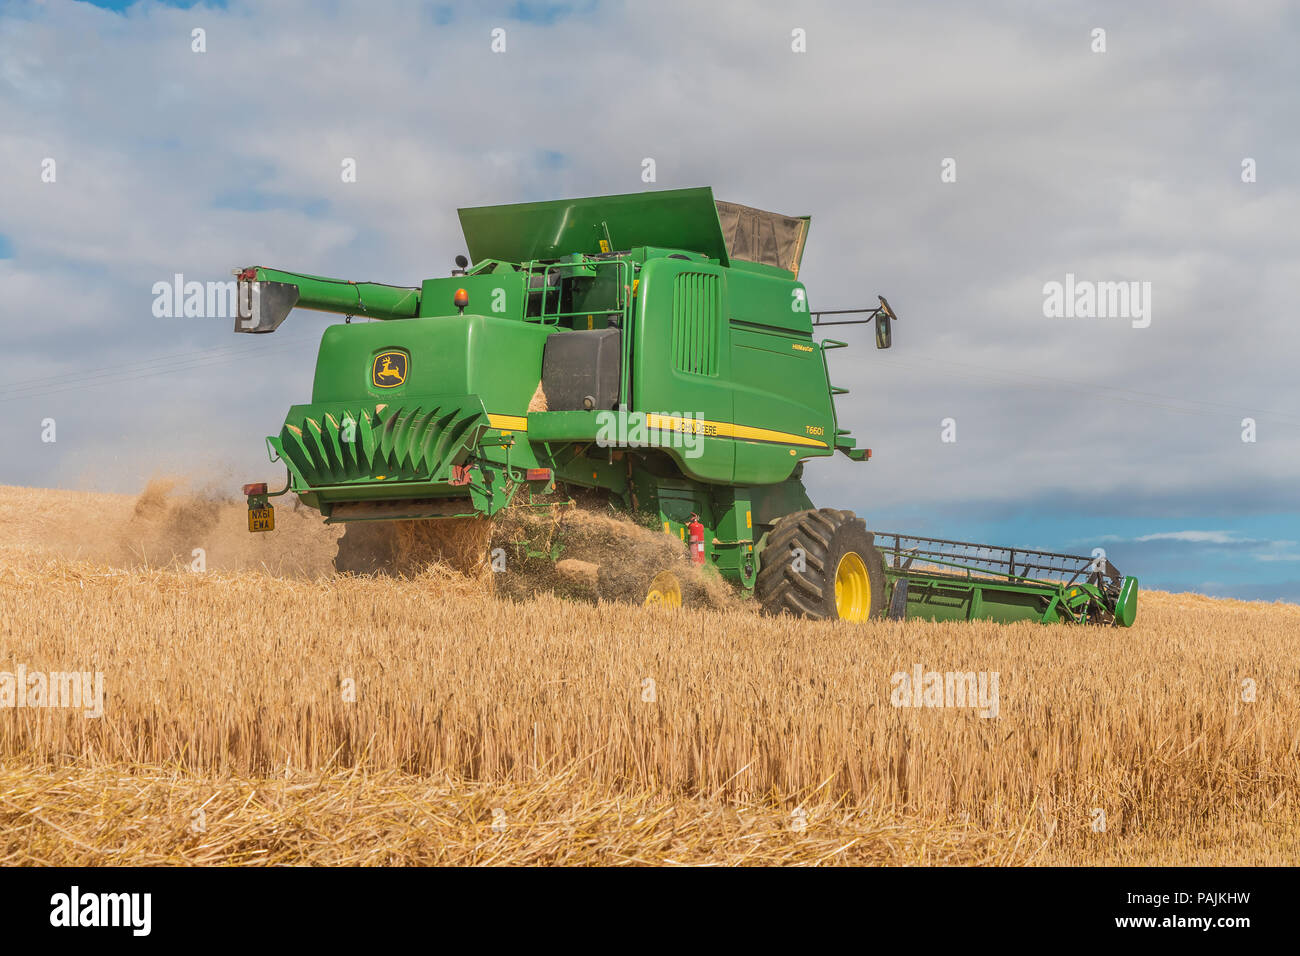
(261, 519)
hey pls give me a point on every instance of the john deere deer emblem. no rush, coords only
(389, 369)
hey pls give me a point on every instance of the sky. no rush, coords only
(956, 158)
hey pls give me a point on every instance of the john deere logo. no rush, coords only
(389, 369)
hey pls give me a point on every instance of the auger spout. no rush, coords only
(266, 296)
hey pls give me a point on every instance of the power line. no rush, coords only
(1053, 380)
(121, 376)
(1107, 393)
(140, 363)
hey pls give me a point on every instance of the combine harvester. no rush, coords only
(657, 347)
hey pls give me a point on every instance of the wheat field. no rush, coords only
(263, 710)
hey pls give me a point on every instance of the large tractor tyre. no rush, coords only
(366, 547)
(822, 564)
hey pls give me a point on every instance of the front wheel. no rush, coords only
(822, 564)
(665, 591)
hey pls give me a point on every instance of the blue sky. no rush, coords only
(442, 13)
(1071, 433)
(119, 6)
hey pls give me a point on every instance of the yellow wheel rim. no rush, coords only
(664, 591)
(852, 588)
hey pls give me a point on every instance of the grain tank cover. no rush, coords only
(768, 238)
(686, 219)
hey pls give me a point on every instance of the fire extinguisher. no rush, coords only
(695, 537)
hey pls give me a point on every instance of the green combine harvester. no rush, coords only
(657, 347)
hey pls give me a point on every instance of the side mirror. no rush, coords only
(884, 315)
(883, 331)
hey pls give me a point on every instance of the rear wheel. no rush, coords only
(822, 564)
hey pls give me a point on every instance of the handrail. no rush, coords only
(622, 266)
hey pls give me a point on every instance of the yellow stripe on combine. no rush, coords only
(710, 429)
(766, 434)
(698, 426)
(514, 423)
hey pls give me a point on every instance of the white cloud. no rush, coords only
(1198, 537)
